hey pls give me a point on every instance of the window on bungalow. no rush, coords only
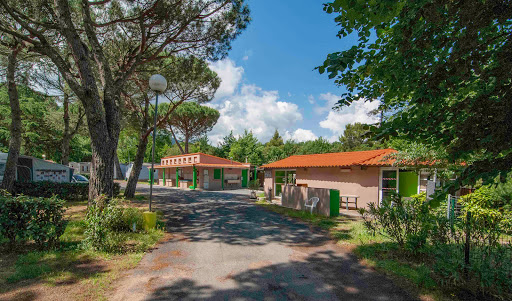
(389, 183)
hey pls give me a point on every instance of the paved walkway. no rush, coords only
(225, 248)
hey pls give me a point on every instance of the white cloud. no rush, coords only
(329, 100)
(230, 74)
(336, 121)
(311, 99)
(289, 94)
(245, 58)
(254, 109)
(300, 135)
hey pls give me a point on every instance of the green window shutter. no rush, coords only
(216, 174)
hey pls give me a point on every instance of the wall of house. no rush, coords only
(361, 182)
(295, 197)
(179, 160)
(268, 183)
(213, 184)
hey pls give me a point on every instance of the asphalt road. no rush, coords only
(223, 247)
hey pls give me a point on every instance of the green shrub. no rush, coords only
(403, 221)
(132, 216)
(418, 228)
(488, 222)
(66, 191)
(24, 218)
(254, 184)
(106, 220)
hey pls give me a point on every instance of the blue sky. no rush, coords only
(268, 78)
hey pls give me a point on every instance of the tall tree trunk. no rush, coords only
(66, 137)
(176, 140)
(117, 166)
(15, 140)
(101, 181)
(104, 131)
(129, 192)
(138, 161)
(186, 142)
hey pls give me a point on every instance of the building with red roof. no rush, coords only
(368, 175)
(203, 171)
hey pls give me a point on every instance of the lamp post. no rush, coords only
(158, 84)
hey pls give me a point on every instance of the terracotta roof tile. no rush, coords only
(361, 158)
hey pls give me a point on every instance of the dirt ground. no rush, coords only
(73, 279)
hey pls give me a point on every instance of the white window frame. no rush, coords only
(382, 169)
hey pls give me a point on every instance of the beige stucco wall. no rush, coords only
(361, 182)
(170, 177)
(295, 197)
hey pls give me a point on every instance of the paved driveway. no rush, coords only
(225, 248)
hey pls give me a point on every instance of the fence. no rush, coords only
(295, 196)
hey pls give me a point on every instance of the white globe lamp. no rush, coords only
(157, 83)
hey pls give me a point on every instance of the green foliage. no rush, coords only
(42, 126)
(356, 137)
(202, 145)
(106, 221)
(441, 68)
(318, 146)
(403, 221)
(420, 230)
(65, 190)
(488, 221)
(131, 216)
(225, 146)
(254, 185)
(247, 147)
(192, 120)
(40, 219)
(276, 140)
(501, 193)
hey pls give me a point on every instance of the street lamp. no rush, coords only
(158, 84)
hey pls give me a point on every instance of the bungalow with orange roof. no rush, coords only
(202, 171)
(366, 175)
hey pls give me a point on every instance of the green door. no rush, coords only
(244, 177)
(408, 183)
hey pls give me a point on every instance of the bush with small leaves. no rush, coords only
(66, 191)
(23, 218)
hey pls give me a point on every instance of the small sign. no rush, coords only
(268, 174)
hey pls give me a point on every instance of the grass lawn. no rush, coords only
(69, 272)
(376, 251)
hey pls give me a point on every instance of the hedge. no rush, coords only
(25, 218)
(66, 191)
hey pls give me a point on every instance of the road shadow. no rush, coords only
(323, 275)
(229, 218)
